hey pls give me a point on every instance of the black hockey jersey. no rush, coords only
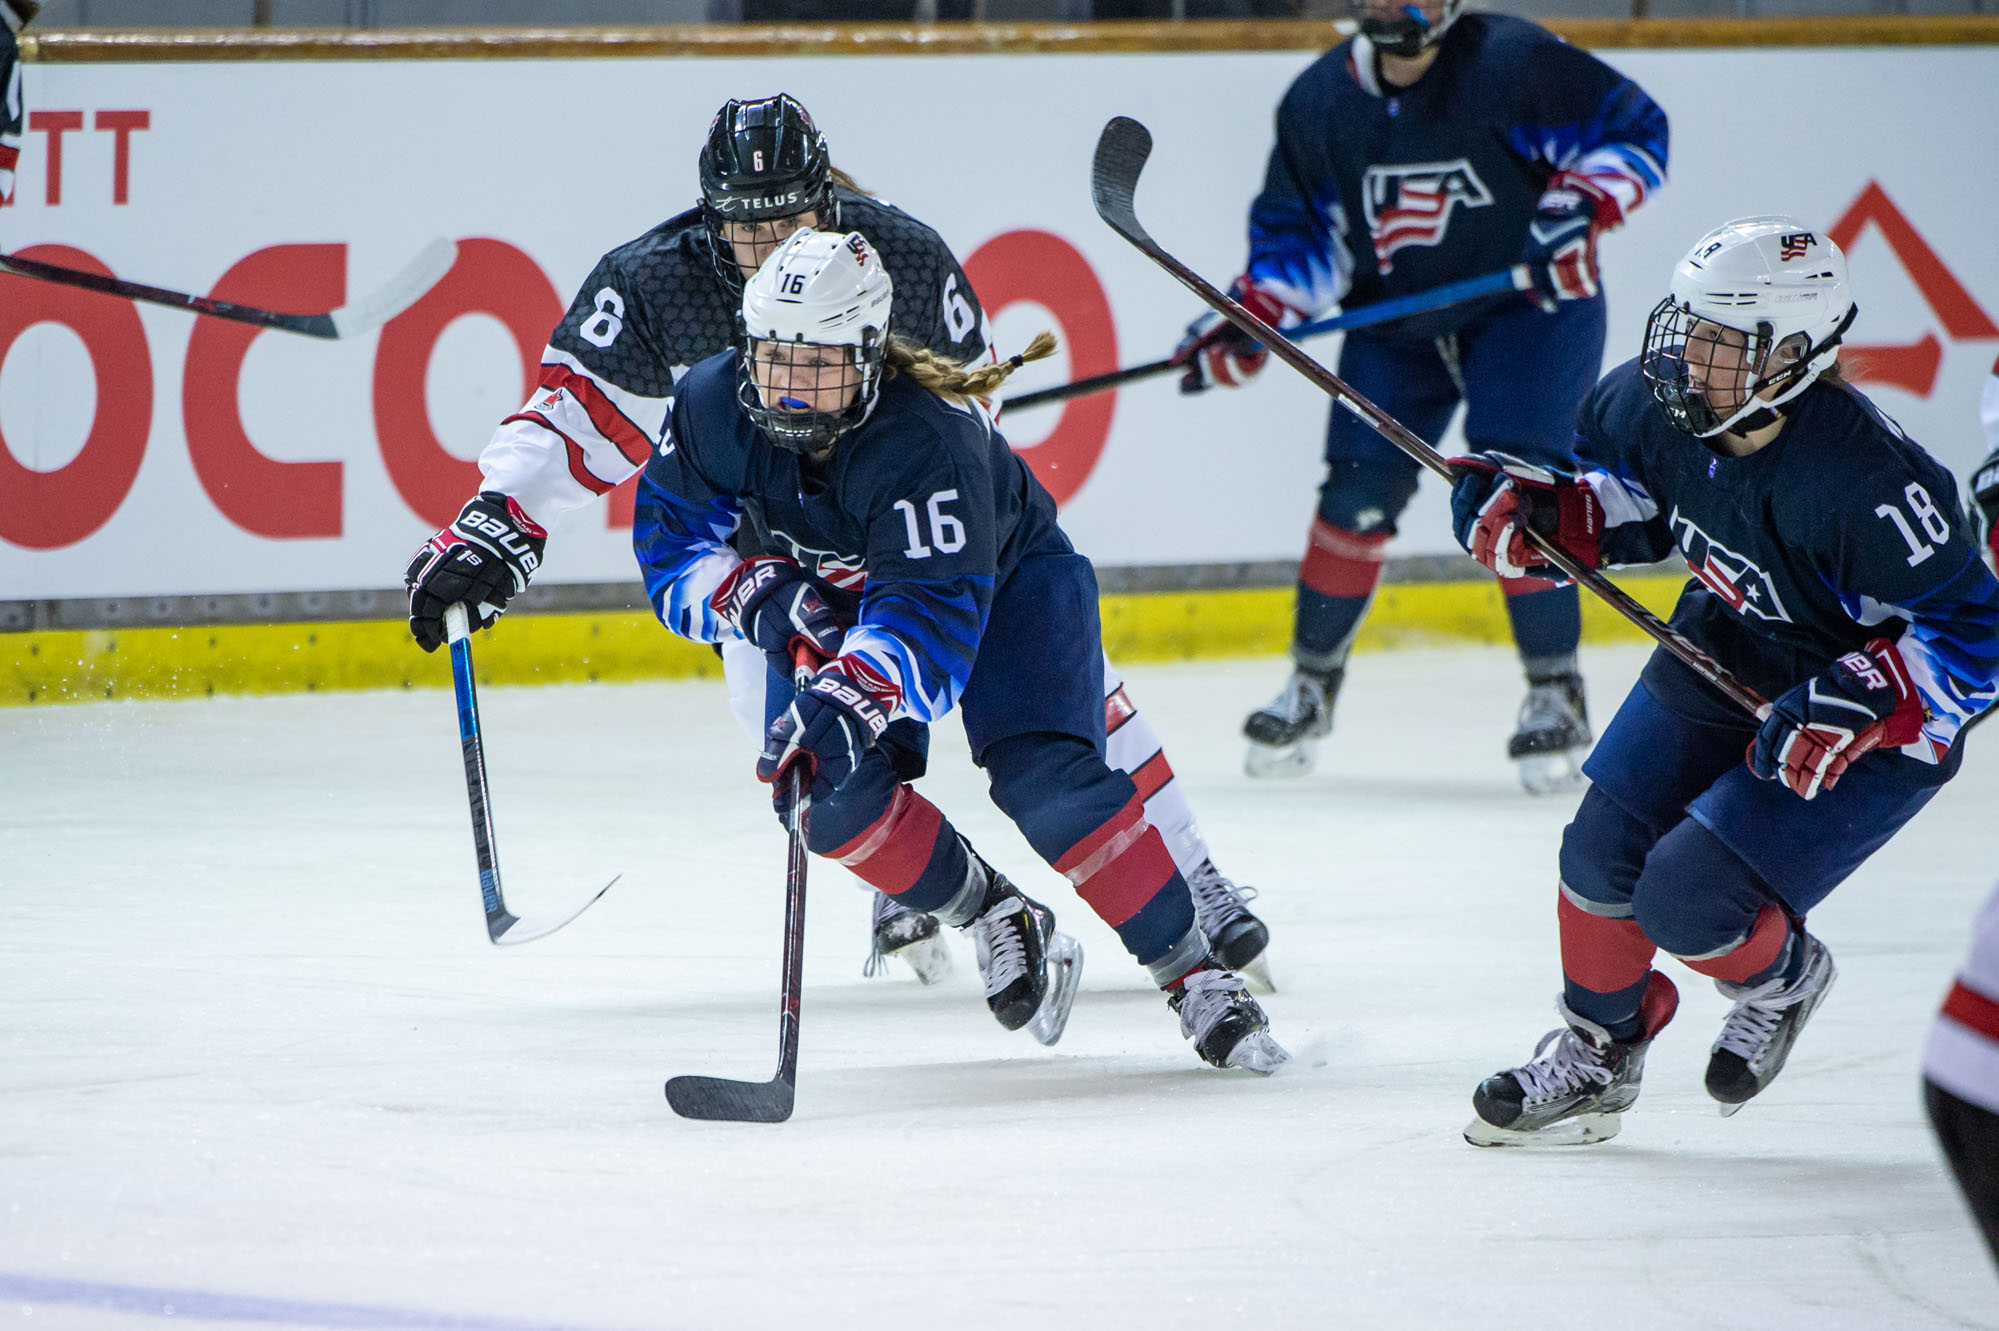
(659, 304)
(1839, 531)
(919, 517)
(1375, 192)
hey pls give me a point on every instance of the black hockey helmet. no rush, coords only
(763, 160)
(1409, 31)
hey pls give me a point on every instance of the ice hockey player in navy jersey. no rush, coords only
(1833, 574)
(917, 555)
(1430, 148)
(669, 299)
(14, 15)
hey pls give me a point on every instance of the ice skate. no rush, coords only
(1577, 1086)
(1552, 737)
(1284, 736)
(1237, 937)
(1031, 971)
(911, 937)
(1227, 1026)
(1758, 1034)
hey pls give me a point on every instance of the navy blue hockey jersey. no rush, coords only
(1375, 192)
(909, 529)
(13, 113)
(1839, 531)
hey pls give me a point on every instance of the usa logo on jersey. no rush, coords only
(847, 572)
(1412, 204)
(1735, 578)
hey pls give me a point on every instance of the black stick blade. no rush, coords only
(1121, 152)
(730, 1101)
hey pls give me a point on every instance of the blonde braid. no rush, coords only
(947, 378)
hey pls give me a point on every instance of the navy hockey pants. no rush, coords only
(1033, 712)
(1520, 375)
(1678, 845)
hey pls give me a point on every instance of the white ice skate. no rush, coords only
(1284, 736)
(911, 937)
(1553, 737)
(1227, 1026)
(1760, 1029)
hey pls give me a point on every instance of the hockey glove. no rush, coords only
(1561, 240)
(482, 559)
(1985, 499)
(1215, 351)
(829, 727)
(1499, 497)
(771, 601)
(1814, 731)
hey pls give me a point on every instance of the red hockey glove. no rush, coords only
(1818, 728)
(1561, 239)
(484, 558)
(1215, 351)
(771, 601)
(1498, 497)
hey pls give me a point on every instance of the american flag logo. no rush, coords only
(1794, 245)
(1412, 204)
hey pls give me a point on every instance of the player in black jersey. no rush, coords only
(1430, 148)
(917, 556)
(1833, 574)
(14, 15)
(652, 308)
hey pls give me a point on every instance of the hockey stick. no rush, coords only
(1121, 154)
(502, 925)
(392, 298)
(1516, 278)
(767, 1101)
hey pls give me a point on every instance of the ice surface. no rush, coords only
(258, 1062)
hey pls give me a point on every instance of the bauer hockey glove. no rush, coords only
(1561, 240)
(830, 726)
(771, 601)
(485, 557)
(1814, 731)
(1215, 351)
(1498, 497)
(1984, 505)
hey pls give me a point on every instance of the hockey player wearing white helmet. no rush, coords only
(939, 579)
(1833, 573)
(661, 303)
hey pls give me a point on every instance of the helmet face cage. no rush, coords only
(807, 406)
(764, 161)
(1410, 31)
(1731, 372)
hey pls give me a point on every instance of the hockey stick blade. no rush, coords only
(503, 927)
(392, 298)
(721, 1100)
(400, 292)
(508, 929)
(1121, 155)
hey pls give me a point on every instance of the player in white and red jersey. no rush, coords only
(1961, 1060)
(14, 15)
(666, 301)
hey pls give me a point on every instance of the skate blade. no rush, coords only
(1257, 1052)
(1582, 1130)
(1257, 973)
(929, 957)
(1552, 773)
(1266, 762)
(1065, 975)
(1728, 1110)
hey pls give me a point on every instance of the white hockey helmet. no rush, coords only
(819, 289)
(1775, 281)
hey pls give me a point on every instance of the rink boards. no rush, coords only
(148, 455)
